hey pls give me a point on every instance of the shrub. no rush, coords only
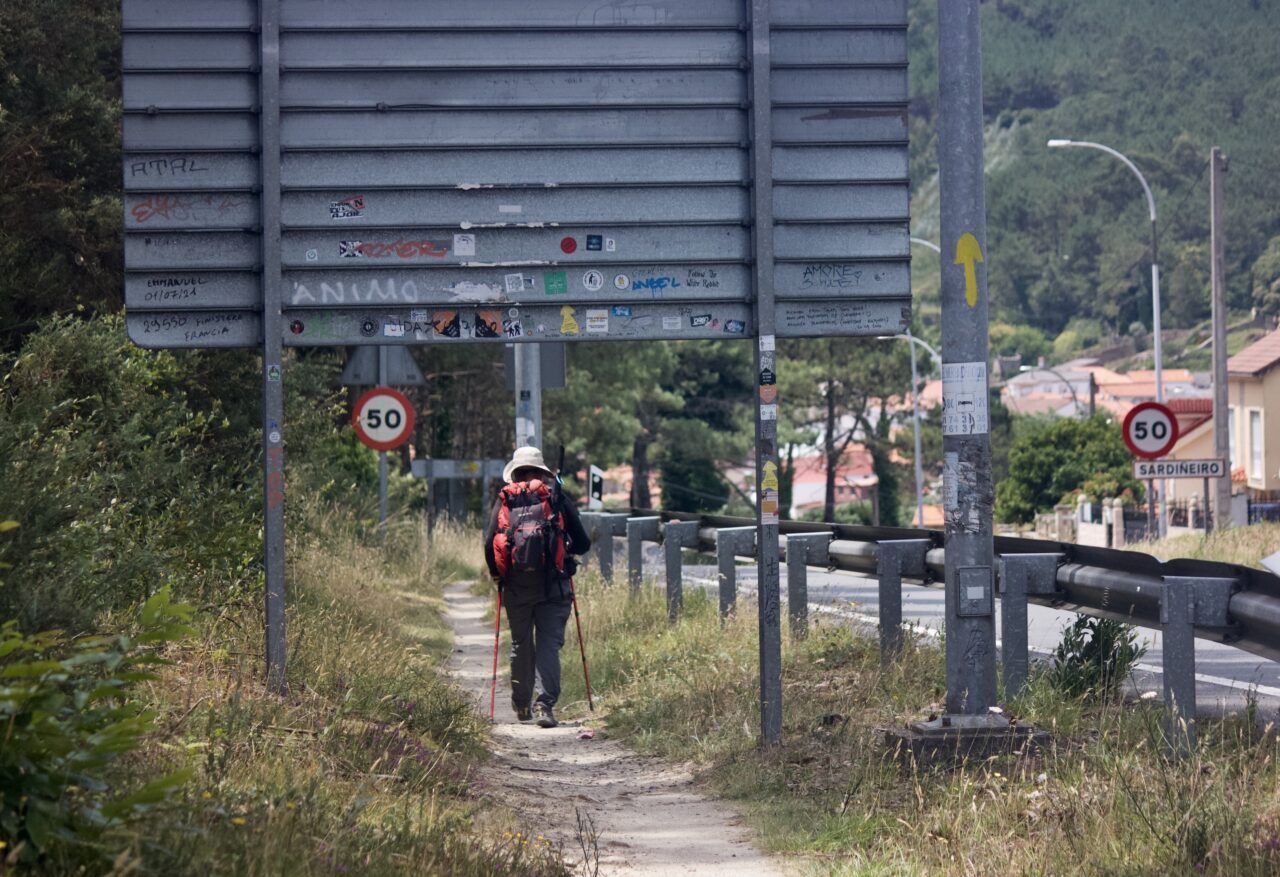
(1094, 658)
(67, 716)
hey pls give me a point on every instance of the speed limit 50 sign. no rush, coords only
(383, 418)
(1150, 430)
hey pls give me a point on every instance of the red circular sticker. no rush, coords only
(568, 245)
(1150, 430)
(383, 418)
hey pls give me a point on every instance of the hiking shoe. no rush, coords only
(543, 715)
(523, 714)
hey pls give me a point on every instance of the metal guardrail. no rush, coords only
(1184, 599)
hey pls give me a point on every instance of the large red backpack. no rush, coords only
(530, 537)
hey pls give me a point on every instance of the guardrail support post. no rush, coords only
(896, 558)
(675, 536)
(731, 543)
(1186, 602)
(802, 549)
(1020, 575)
(639, 531)
(605, 526)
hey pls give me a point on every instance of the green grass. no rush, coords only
(363, 767)
(1102, 800)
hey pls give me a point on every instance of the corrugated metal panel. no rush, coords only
(539, 156)
(531, 208)
(511, 14)
(467, 169)
(516, 284)
(361, 248)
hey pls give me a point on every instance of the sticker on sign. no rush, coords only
(383, 418)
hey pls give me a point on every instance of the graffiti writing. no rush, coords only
(401, 249)
(340, 292)
(655, 283)
(830, 276)
(183, 208)
(705, 278)
(166, 167)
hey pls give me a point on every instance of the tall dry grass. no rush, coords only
(365, 766)
(1102, 799)
(1243, 545)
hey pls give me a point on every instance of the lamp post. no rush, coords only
(915, 406)
(1155, 266)
(1075, 400)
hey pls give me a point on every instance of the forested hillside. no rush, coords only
(1159, 80)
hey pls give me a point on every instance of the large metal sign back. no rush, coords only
(513, 171)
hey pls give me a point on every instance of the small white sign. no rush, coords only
(767, 343)
(950, 481)
(964, 398)
(464, 245)
(598, 321)
(671, 324)
(515, 283)
(768, 412)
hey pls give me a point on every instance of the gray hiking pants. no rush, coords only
(537, 635)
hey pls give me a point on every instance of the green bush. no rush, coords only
(1094, 658)
(66, 716)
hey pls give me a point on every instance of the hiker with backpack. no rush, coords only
(529, 543)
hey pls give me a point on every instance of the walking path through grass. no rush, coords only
(645, 816)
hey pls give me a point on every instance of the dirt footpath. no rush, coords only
(648, 817)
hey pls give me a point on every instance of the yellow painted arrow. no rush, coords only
(969, 253)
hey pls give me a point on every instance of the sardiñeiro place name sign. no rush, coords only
(511, 171)
(1145, 469)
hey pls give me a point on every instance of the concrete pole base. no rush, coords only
(954, 740)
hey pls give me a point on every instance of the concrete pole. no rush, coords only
(1221, 442)
(528, 396)
(966, 439)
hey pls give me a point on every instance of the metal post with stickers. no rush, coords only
(423, 173)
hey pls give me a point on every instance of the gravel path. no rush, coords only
(649, 818)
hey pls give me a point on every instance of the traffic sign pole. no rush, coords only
(382, 455)
(272, 345)
(767, 498)
(966, 439)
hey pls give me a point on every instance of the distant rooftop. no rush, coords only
(1258, 357)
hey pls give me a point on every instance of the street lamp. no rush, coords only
(1075, 400)
(929, 245)
(1155, 272)
(915, 405)
(1155, 267)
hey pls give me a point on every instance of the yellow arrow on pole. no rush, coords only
(969, 253)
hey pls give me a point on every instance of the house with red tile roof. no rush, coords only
(1253, 406)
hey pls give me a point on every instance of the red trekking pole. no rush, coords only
(497, 634)
(573, 595)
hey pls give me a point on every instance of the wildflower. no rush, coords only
(239, 820)
(206, 795)
(290, 805)
(1148, 695)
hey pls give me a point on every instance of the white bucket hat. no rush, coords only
(526, 457)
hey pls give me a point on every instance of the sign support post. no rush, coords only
(966, 440)
(765, 362)
(382, 455)
(272, 345)
(528, 395)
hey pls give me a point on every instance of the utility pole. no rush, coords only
(528, 395)
(1221, 516)
(966, 439)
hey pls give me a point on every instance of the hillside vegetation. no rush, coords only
(1159, 80)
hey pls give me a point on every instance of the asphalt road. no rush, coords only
(1226, 677)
